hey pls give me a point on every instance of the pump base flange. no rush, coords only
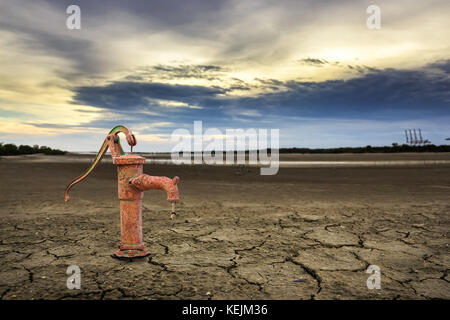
(131, 253)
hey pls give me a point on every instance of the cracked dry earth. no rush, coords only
(302, 234)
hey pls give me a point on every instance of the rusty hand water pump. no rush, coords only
(131, 182)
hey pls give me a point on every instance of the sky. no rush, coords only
(312, 69)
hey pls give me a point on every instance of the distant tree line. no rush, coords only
(395, 148)
(11, 150)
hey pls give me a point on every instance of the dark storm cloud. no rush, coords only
(181, 71)
(442, 65)
(270, 82)
(134, 95)
(361, 69)
(313, 62)
(376, 94)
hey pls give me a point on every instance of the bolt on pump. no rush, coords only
(131, 186)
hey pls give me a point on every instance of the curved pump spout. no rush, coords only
(113, 142)
(145, 182)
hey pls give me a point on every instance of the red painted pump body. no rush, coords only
(131, 185)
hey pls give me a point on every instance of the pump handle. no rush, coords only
(107, 143)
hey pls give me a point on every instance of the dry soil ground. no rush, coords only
(304, 233)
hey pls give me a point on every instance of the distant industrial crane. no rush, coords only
(416, 141)
(410, 138)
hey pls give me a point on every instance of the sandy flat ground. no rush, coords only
(306, 233)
